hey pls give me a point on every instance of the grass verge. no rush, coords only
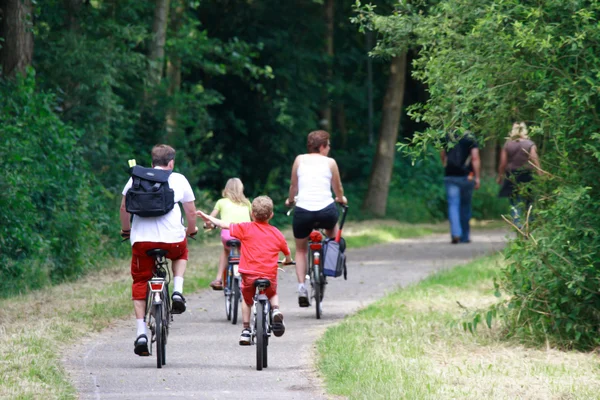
(373, 232)
(409, 345)
(37, 327)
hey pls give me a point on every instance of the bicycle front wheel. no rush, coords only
(235, 303)
(260, 335)
(159, 328)
(229, 294)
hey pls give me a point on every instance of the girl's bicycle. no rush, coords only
(158, 305)
(232, 282)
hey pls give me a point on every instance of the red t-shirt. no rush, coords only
(261, 244)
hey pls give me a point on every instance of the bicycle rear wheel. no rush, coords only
(260, 335)
(266, 335)
(159, 332)
(317, 287)
(235, 303)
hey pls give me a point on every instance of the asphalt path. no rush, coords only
(204, 359)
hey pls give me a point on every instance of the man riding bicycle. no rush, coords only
(159, 232)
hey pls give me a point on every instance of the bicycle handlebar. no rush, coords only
(282, 262)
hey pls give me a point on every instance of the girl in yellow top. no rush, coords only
(234, 207)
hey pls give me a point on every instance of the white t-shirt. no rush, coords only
(314, 182)
(165, 228)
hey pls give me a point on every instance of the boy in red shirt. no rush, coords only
(261, 244)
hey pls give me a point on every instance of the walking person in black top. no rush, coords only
(460, 157)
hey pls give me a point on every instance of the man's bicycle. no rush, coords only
(158, 305)
(232, 281)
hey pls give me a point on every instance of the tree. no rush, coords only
(326, 113)
(174, 73)
(16, 30)
(156, 50)
(383, 162)
(395, 44)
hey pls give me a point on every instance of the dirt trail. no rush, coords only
(204, 360)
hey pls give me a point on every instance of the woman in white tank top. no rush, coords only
(313, 176)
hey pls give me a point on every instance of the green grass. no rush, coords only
(411, 345)
(373, 232)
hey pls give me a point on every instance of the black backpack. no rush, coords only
(458, 158)
(150, 194)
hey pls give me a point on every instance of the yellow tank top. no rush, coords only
(231, 212)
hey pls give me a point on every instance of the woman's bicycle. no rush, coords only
(314, 270)
(232, 282)
(158, 305)
(262, 321)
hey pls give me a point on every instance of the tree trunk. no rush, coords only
(489, 158)
(159, 37)
(16, 30)
(73, 8)
(326, 113)
(174, 77)
(383, 162)
(340, 122)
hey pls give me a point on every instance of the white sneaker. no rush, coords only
(278, 325)
(245, 337)
(303, 297)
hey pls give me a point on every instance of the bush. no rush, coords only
(49, 200)
(553, 276)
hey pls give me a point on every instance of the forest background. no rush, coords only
(236, 85)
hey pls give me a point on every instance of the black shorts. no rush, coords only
(305, 221)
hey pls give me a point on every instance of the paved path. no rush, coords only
(204, 360)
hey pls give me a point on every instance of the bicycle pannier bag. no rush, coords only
(334, 259)
(150, 195)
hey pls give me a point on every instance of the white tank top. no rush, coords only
(314, 183)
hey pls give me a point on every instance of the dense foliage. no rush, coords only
(50, 225)
(489, 63)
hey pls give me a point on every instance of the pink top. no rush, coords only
(261, 244)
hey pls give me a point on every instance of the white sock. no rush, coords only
(178, 284)
(301, 286)
(141, 327)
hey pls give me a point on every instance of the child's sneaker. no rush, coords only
(245, 337)
(278, 325)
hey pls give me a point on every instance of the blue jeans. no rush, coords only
(519, 206)
(459, 192)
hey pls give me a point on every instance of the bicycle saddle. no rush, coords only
(157, 253)
(262, 283)
(233, 242)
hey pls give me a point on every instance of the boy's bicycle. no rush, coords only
(262, 321)
(158, 305)
(231, 280)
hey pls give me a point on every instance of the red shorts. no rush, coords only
(142, 264)
(248, 288)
